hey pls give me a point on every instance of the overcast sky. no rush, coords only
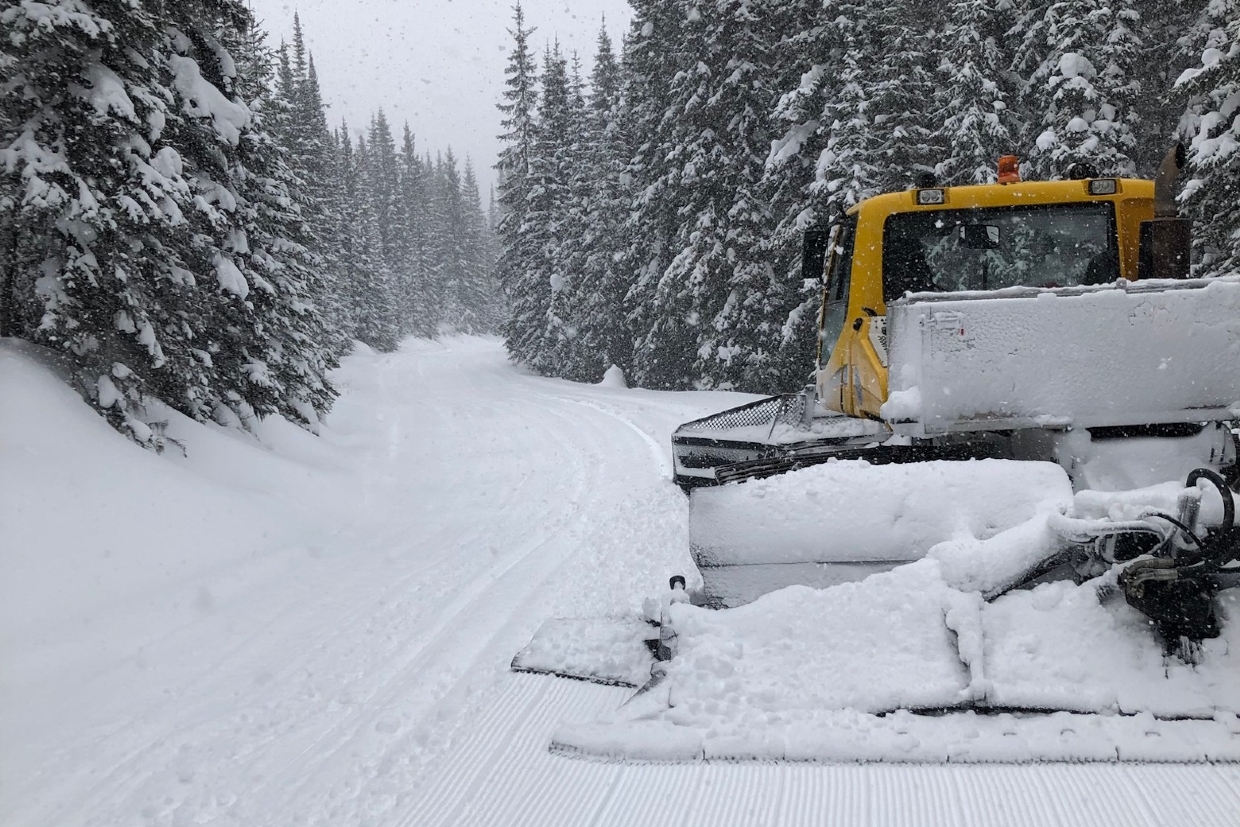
(438, 64)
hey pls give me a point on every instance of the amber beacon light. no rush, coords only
(1009, 169)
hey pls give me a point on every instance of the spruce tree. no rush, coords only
(451, 250)
(482, 298)
(973, 108)
(420, 301)
(281, 366)
(1212, 193)
(543, 329)
(142, 151)
(718, 297)
(517, 249)
(597, 298)
(366, 273)
(1080, 58)
(799, 198)
(655, 52)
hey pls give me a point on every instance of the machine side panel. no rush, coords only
(1127, 354)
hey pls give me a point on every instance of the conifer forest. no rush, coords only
(180, 219)
(652, 212)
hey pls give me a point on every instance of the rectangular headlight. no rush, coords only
(931, 196)
(1103, 186)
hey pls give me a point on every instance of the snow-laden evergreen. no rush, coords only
(721, 306)
(739, 124)
(664, 339)
(596, 296)
(549, 216)
(974, 103)
(146, 203)
(1212, 195)
(1080, 61)
(527, 303)
(176, 217)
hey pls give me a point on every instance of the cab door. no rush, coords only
(834, 385)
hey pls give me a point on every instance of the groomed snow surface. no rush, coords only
(299, 630)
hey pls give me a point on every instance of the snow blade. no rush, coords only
(606, 650)
(910, 666)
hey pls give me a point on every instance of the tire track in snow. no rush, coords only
(475, 600)
(586, 457)
(661, 458)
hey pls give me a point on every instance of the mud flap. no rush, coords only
(606, 650)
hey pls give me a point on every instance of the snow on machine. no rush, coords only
(1010, 489)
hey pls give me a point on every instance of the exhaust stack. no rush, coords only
(1164, 182)
(1166, 240)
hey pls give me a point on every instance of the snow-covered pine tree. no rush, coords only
(798, 200)
(575, 183)
(1212, 124)
(482, 296)
(878, 124)
(537, 328)
(281, 366)
(369, 283)
(519, 109)
(1171, 43)
(166, 245)
(420, 297)
(1079, 60)
(322, 200)
(656, 50)
(450, 252)
(597, 294)
(92, 198)
(910, 49)
(438, 232)
(391, 219)
(718, 297)
(972, 106)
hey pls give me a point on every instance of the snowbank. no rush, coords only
(107, 546)
(614, 378)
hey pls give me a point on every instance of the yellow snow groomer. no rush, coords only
(1049, 321)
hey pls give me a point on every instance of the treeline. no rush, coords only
(177, 218)
(651, 218)
(403, 235)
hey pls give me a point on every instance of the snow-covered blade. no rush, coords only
(609, 650)
(1056, 673)
(943, 659)
(842, 521)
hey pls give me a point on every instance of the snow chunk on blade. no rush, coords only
(889, 513)
(609, 650)
(906, 667)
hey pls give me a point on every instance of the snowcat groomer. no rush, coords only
(1010, 485)
(1046, 321)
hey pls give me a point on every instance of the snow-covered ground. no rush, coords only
(305, 630)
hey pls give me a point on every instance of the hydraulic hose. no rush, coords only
(1221, 546)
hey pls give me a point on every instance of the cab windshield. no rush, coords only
(1062, 245)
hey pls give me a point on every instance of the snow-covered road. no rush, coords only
(318, 631)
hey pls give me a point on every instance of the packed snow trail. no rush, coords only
(318, 631)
